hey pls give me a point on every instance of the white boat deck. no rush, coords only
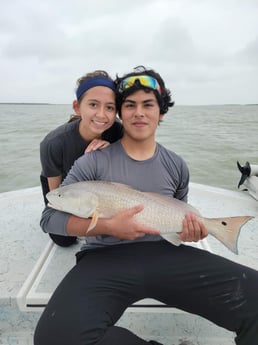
(22, 243)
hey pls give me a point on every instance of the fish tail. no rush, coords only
(227, 230)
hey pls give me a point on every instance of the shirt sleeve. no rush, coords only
(53, 221)
(84, 168)
(183, 186)
(51, 157)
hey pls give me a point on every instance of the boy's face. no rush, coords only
(140, 114)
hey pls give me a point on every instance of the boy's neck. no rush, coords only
(139, 150)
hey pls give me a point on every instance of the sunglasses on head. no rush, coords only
(144, 80)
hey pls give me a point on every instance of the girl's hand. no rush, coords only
(96, 144)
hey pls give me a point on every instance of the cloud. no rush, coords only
(206, 50)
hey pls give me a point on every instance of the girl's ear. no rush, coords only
(76, 107)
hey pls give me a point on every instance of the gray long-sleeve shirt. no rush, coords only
(165, 173)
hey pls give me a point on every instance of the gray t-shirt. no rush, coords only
(165, 173)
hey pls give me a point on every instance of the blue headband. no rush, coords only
(95, 81)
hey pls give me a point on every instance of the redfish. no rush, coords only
(102, 199)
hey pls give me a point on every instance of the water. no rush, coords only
(210, 138)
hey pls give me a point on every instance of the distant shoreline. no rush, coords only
(31, 103)
(184, 105)
(25, 103)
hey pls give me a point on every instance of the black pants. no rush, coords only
(95, 293)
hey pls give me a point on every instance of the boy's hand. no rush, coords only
(193, 229)
(125, 227)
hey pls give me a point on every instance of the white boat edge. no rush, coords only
(23, 243)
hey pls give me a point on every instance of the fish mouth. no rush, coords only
(54, 205)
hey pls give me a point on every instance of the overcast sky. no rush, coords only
(206, 50)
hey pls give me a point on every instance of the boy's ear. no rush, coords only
(76, 107)
(161, 117)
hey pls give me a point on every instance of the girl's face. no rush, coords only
(97, 109)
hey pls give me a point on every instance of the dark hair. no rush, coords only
(88, 76)
(164, 99)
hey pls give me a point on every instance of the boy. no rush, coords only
(124, 261)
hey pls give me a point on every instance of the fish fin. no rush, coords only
(93, 222)
(172, 238)
(227, 229)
